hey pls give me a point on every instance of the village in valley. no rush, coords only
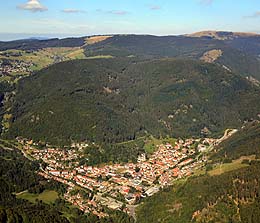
(118, 186)
(11, 67)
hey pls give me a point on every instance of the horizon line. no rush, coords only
(46, 36)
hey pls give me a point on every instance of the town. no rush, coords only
(119, 186)
(10, 67)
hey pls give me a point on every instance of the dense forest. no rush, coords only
(18, 174)
(240, 54)
(35, 44)
(5, 88)
(115, 100)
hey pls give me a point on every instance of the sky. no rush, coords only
(63, 18)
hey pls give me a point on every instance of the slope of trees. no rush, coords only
(244, 143)
(18, 174)
(239, 54)
(230, 197)
(116, 100)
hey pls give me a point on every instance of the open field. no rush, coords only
(96, 39)
(100, 57)
(47, 196)
(227, 167)
(150, 144)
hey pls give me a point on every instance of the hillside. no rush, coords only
(238, 54)
(245, 142)
(35, 44)
(227, 190)
(230, 197)
(220, 35)
(239, 51)
(114, 100)
(25, 196)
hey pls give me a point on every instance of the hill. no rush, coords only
(230, 197)
(245, 142)
(36, 44)
(238, 54)
(25, 196)
(114, 100)
(226, 192)
(239, 51)
(220, 35)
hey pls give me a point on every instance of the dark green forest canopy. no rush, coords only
(115, 100)
(239, 54)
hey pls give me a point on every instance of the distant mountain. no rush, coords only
(39, 38)
(114, 100)
(35, 44)
(246, 42)
(240, 54)
(220, 35)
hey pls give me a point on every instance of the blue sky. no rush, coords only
(23, 18)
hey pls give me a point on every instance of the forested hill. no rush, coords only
(221, 193)
(35, 44)
(246, 142)
(229, 197)
(236, 54)
(236, 51)
(114, 100)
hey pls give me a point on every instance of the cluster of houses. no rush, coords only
(15, 67)
(118, 184)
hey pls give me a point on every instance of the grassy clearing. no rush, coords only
(47, 196)
(45, 57)
(76, 54)
(227, 167)
(100, 57)
(151, 143)
(96, 39)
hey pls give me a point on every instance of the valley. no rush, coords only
(131, 128)
(119, 186)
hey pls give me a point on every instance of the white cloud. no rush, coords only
(33, 6)
(73, 11)
(118, 12)
(114, 12)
